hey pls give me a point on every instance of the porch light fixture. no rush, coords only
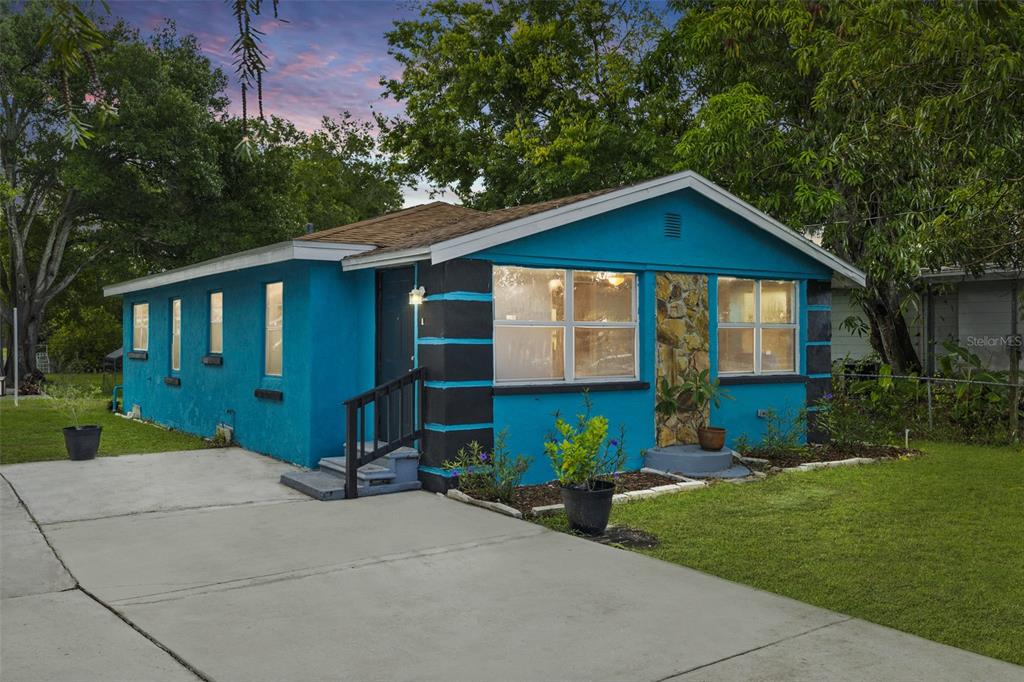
(416, 296)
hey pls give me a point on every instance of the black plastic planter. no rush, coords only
(588, 509)
(82, 442)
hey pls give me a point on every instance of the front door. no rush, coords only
(395, 346)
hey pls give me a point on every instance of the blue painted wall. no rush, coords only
(714, 241)
(328, 356)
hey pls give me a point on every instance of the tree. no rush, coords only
(65, 205)
(526, 100)
(893, 129)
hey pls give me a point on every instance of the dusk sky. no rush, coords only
(324, 58)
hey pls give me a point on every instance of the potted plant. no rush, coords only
(585, 461)
(81, 441)
(704, 392)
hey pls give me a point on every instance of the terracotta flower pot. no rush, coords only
(711, 438)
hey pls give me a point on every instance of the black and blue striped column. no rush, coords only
(818, 362)
(455, 343)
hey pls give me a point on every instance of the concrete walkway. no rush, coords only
(258, 584)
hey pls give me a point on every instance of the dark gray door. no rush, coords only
(395, 346)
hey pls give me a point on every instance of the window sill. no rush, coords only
(172, 381)
(268, 394)
(743, 379)
(594, 386)
(138, 355)
(213, 360)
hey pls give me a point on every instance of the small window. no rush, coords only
(274, 338)
(553, 325)
(175, 334)
(216, 322)
(757, 326)
(140, 326)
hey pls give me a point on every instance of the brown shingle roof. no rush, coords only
(397, 227)
(436, 222)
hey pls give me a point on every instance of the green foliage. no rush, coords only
(880, 409)
(861, 120)
(784, 432)
(671, 398)
(582, 453)
(703, 390)
(527, 100)
(489, 476)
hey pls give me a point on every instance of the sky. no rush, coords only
(323, 56)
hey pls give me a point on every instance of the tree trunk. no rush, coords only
(890, 335)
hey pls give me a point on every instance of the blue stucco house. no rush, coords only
(447, 325)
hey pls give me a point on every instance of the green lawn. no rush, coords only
(932, 546)
(32, 432)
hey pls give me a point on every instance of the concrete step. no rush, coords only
(324, 486)
(691, 460)
(369, 473)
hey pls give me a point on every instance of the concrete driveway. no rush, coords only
(198, 565)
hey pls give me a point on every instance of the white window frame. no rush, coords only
(569, 326)
(135, 307)
(209, 321)
(759, 326)
(176, 335)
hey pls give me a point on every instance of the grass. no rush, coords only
(932, 546)
(32, 432)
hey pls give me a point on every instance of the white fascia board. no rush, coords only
(264, 255)
(530, 225)
(385, 259)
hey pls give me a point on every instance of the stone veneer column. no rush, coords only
(818, 362)
(455, 345)
(682, 343)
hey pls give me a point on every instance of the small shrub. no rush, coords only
(73, 400)
(784, 433)
(489, 475)
(582, 453)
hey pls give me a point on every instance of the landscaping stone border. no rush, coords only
(811, 466)
(459, 496)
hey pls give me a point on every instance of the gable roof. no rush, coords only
(483, 230)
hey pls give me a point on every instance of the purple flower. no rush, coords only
(483, 457)
(828, 396)
(614, 443)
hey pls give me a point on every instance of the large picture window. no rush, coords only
(274, 333)
(140, 326)
(554, 325)
(757, 326)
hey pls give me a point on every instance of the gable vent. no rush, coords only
(673, 226)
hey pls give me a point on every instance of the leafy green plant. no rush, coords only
(671, 398)
(703, 390)
(73, 399)
(784, 432)
(491, 475)
(581, 453)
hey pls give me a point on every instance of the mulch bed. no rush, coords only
(626, 537)
(530, 496)
(831, 453)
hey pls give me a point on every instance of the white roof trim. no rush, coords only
(385, 259)
(530, 225)
(556, 217)
(265, 255)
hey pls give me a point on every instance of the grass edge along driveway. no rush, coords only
(932, 546)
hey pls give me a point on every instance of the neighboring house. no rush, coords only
(973, 311)
(522, 310)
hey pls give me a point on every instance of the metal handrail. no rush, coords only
(356, 453)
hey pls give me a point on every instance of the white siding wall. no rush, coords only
(844, 343)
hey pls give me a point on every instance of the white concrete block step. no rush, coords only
(370, 473)
(325, 486)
